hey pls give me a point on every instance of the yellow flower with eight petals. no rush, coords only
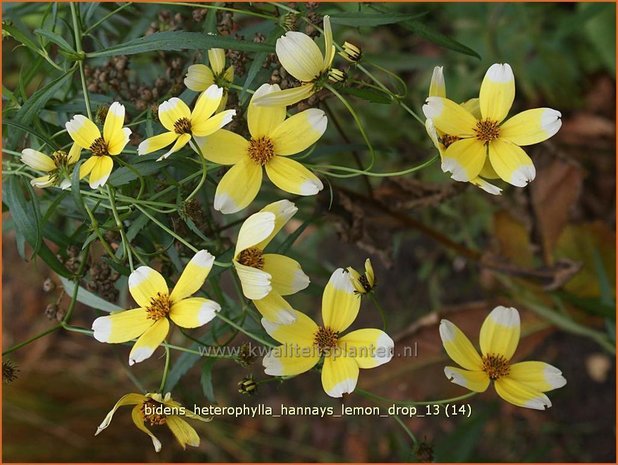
(182, 123)
(86, 134)
(304, 343)
(201, 77)
(266, 277)
(521, 384)
(273, 139)
(57, 166)
(156, 410)
(488, 137)
(149, 323)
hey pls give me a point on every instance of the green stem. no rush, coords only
(243, 330)
(214, 7)
(321, 168)
(196, 147)
(32, 339)
(78, 47)
(406, 429)
(107, 16)
(125, 242)
(374, 299)
(166, 229)
(165, 368)
(411, 403)
(97, 231)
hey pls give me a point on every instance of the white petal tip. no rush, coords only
(500, 72)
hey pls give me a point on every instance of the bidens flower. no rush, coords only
(304, 343)
(183, 123)
(475, 140)
(442, 141)
(156, 410)
(86, 134)
(265, 277)
(363, 283)
(150, 322)
(58, 166)
(301, 57)
(201, 77)
(521, 384)
(273, 139)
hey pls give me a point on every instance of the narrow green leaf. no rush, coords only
(33, 132)
(358, 19)
(88, 298)
(438, 38)
(206, 380)
(23, 211)
(56, 39)
(369, 94)
(285, 246)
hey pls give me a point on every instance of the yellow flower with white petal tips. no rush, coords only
(304, 343)
(266, 277)
(150, 322)
(273, 139)
(155, 410)
(182, 123)
(442, 141)
(490, 137)
(363, 283)
(301, 57)
(57, 166)
(521, 384)
(112, 142)
(201, 77)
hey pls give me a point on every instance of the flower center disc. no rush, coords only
(325, 339)
(159, 306)
(99, 147)
(182, 126)
(447, 140)
(151, 417)
(496, 366)
(261, 150)
(487, 130)
(252, 257)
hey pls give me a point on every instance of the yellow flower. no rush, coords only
(273, 139)
(487, 137)
(156, 410)
(58, 166)
(150, 322)
(363, 283)
(201, 77)
(86, 134)
(304, 343)
(265, 277)
(182, 123)
(521, 384)
(301, 57)
(442, 141)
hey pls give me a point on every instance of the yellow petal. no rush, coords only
(459, 347)
(182, 140)
(464, 159)
(238, 187)
(486, 186)
(291, 176)
(283, 211)
(371, 278)
(193, 312)
(473, 105)
(476, 381)
(144, 284)
(299, 132)
(497, 92)
(521, 395)
(171, 111)
(113, 133)
(369, 347)
(182, 431)
(83, 131)
(149, 341)
(449, 117)
(539, 376)
(286, 97)
(531, 126)
(74, 154)
(121, 326)
(300, 331)
(511, 163)
(488, 171)
(329, 47)
(262, 120)
(290, 360)
(46, 181)
(87, 166)
(299, 55)
(287, 276)
(206, 104)
(339, 375)
(275, 308)
(254, 230)
(193, 276)
(216, 58)
(437, 87)
(37, 160)
(100, 171)
(138, 420)
(152, 144)
(223, 147)
(255, 283)
(205, 127)
(199, 78)
(127, 399)
(432, 132)
(500, 332)
(340, 304)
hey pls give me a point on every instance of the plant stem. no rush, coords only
(243, 330)
(412, 403)
(374, 299)
(78, 47)
(406, 429)
(125, 242)
(165, 369)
